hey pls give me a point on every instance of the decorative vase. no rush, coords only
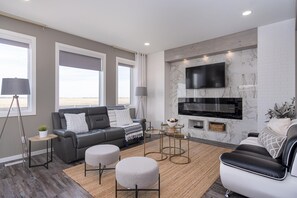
(42, 134)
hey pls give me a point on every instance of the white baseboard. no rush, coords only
(18, 157)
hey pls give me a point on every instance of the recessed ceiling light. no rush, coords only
(246, 13)
(147, 44)
(26, 0)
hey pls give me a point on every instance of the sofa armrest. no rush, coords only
(142, 122)
(66, 134)
(253, 134)
(255, 165)
(63, 133)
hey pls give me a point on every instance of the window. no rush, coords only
(124, 81)
(80, 77)
(17, 59)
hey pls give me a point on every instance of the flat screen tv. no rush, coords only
(206, 76)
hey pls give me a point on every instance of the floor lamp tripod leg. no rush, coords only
(6, 118)
(22, 131)
(142, 109)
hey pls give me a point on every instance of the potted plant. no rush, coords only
(285, 110)
(42, 131)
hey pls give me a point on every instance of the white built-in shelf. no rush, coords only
(196, 124)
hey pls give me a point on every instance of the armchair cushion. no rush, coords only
(90, 138)
(255, 165)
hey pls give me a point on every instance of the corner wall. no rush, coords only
(276, 66)
(156, 88)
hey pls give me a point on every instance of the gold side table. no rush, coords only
(175, 138)
(48, 138)
(151, 132)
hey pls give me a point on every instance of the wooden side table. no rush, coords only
(50, 138)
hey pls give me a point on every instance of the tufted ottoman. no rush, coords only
(137, 174)
(101, 155)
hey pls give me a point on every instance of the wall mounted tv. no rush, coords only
(206, 76)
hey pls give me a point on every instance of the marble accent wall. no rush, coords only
(241, 70)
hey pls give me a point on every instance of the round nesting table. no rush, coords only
(176, 137)
(151, 132)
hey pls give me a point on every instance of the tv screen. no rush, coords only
(206, 76)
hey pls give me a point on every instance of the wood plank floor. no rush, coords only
(189, 180)
(19, 181)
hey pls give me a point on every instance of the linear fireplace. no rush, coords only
(211, 107)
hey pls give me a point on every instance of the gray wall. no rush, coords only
(45, 78)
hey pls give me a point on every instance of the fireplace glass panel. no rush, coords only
(211, 107)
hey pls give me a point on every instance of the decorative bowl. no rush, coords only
(172, 122)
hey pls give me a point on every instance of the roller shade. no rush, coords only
(79, 61)
(14, 43)
(125, 65)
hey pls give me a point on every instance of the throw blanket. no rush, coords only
(132, 131)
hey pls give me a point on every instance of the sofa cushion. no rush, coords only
(99, 121)
(272, 141)
(90, 138)
(114, 133)
(98, 118)
(253, 149)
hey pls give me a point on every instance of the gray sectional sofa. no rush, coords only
(70, 146)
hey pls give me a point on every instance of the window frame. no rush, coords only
(124, 61)
(18, 37)
(102, 74)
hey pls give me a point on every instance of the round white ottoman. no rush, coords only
(101, 156)
(137, 173)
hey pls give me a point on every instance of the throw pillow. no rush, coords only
(76, 122)
(272, 141)
(123, 117)
(279, 125)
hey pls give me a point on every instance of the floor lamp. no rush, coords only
(15, 87)
(140, 92)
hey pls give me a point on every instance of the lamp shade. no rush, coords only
(15, 86)
(141, 91)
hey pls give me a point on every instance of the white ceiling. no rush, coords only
(164, 23)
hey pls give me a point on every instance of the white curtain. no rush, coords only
(140, 79)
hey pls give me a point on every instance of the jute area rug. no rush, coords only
(177, 181)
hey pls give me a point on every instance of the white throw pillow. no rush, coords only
(76, 122)
(279, 125)
(123, 117)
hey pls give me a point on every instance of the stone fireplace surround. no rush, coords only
(241, 72)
